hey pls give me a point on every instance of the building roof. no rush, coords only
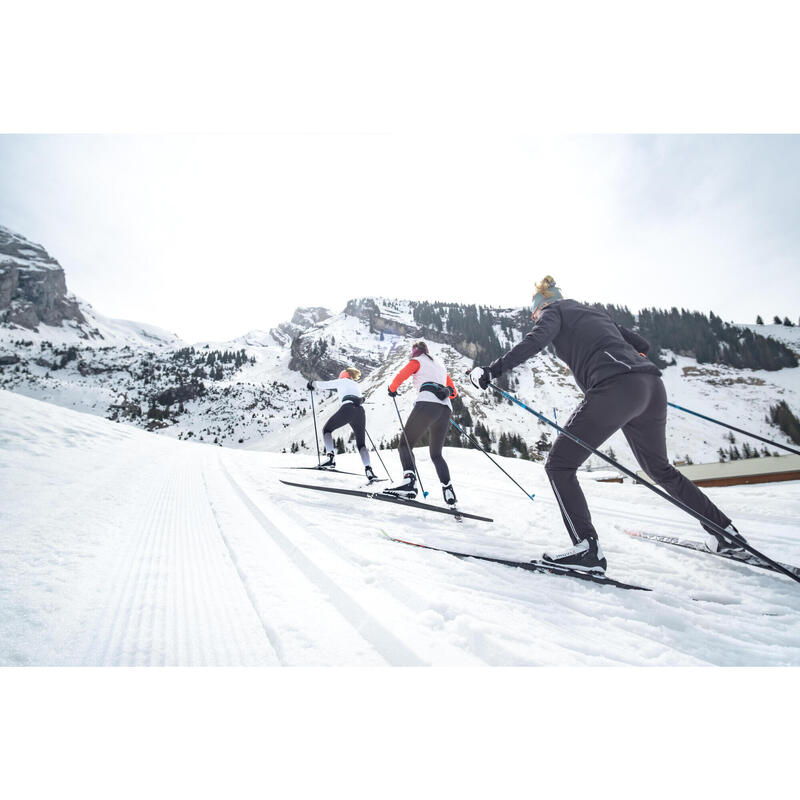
(767, 465)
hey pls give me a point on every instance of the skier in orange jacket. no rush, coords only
(431, 412)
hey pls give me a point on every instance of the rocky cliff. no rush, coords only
(33, 289)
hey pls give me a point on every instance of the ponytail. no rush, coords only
(546, 285)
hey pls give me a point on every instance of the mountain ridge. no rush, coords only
(250, 392)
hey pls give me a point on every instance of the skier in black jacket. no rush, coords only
(622, 389)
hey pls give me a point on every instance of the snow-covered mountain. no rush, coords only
(35, 303)
(251, 392)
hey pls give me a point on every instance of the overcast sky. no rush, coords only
(211, 236)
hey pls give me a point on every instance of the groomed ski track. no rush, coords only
(123, 548)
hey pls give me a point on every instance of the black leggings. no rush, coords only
(353, 415)
(427, 416)
(636, 403)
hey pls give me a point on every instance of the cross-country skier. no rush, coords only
(622, 390)
(350, 412)
(432, 410)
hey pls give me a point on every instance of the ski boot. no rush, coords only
(586, 556)
(407, 488)
(448, 494)
(716, 544)
(371, 476)
(330, 463)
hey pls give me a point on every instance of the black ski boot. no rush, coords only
(448, 494)
(586, 556)
(716, 543)
(330, 463)
(371, 476)
(407, 488)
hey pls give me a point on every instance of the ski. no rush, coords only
(741, 558)
(328, 469)
(532, 566)
(389, 499)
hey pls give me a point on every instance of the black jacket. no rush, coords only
(589, 341)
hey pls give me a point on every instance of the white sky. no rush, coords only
(400, 150)
(213, 235)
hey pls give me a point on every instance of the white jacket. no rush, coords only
(345, 387)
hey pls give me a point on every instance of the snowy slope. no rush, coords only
(96, 332)
(124, 548)
(790, 336)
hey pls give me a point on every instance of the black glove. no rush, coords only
(496, 367)
(484, 377)
(310, 385)
(392, 393)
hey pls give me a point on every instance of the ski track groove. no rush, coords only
(130, 652)
(98, 648)
(272, 635)
(143, 644)
(402, 593)
(170, 600)
(128, 565)
(124, 617)
(390, 648)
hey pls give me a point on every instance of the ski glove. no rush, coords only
(496, 367)
(483, 376)
(392, 393)
(310, 385)
(494, 370)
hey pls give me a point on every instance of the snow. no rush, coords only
(97, 332)
(124, 548)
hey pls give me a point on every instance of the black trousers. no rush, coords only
(353, 415)
(636, 403)
(434, 417)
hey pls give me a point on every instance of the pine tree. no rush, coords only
(782, 416)
(759, 321)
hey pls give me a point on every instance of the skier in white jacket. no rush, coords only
(350, 412)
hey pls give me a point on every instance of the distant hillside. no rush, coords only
(251, 392)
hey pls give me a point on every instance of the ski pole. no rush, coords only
(733, 428)
(379, 456)
(475, 444)
(316, 435)
(413, 460)
(697, 515)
